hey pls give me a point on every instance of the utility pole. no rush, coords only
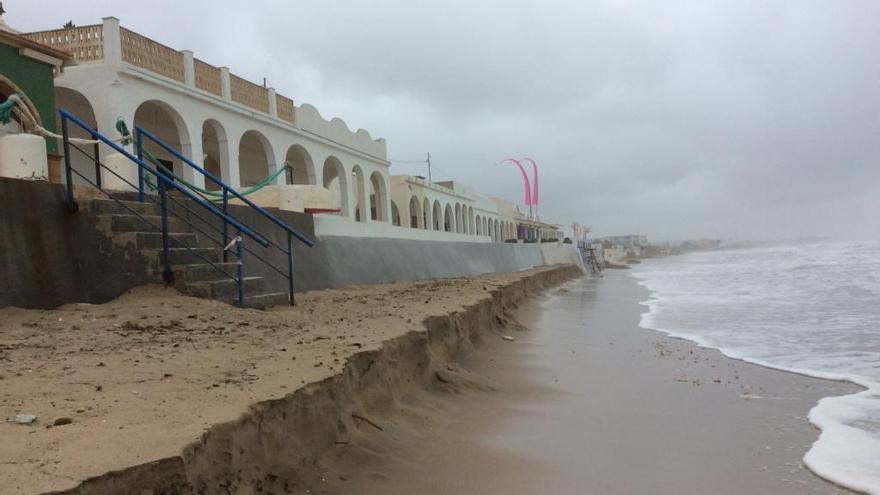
(429, 167)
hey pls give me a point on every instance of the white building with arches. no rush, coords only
(241, 131)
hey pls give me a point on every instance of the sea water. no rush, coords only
(812, 309)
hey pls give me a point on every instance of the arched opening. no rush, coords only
(215, 151)
(335, 181)
(360, 199)
(395, 214)
(438, 215)
(378, 197)
(165, 123)
(302, 170)
(479, 225)
(255, 158)
(448, 219)
(415, 213)
(458, 222)
(497, 231)
(470, 222)
(485, 226)
(426, 215)
(77, 104)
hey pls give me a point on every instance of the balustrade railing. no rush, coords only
(85, 43)
(208, 77)
(249, 94)
(285, 108)
(143, 52)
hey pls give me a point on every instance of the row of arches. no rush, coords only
(422, 213)
(362, 193)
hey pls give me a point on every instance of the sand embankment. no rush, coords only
(168, 394)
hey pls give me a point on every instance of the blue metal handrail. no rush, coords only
(164, 182)
(140, 133)
(224, 187)
(65, 116)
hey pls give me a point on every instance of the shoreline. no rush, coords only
(190, 367)
(624, 410)
(815, 414)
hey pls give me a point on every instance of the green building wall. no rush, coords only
(37, 80)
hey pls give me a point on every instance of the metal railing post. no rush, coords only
(290, 268)
(225, 223)
(140, 155)
(98, 166)
(167, 274)
(239, 268)
(68, 174)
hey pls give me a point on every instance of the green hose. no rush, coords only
(6, 111)
(122, 128)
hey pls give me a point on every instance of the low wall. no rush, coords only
(555, 254)
(50, 257)
(351, 260)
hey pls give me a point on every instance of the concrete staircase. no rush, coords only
(192, 275)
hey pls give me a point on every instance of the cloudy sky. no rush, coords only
(676, 119)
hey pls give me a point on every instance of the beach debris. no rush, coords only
(508, 338)
(62, 421)
(22, 419)
(366, 420)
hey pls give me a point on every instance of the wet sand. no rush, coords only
(588, 402)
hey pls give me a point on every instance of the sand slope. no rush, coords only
(151, 373)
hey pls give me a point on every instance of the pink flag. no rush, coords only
(535, 183)
(528, 193)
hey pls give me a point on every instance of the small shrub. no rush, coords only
(567, 241)
(511, 241)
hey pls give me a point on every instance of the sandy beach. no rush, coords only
(402, 388)
(140, 379)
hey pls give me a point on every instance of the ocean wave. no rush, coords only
(830, 330)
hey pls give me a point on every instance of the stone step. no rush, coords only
(123, 207)
(134, 223)
(153, 240)
(263, 301)
(203, 272)
(225, 288)
(188, 256)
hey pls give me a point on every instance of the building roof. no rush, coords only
(32, 49)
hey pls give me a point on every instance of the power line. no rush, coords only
(408, 162)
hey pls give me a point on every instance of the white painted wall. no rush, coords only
(332, 225)
(115, 89)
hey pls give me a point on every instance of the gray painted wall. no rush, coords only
(50, 257)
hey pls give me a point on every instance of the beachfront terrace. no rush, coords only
(241, 131)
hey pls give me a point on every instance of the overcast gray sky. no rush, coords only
(676, 119)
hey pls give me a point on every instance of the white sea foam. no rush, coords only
(809, 309)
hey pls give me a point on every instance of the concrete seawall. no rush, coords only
(52, 257)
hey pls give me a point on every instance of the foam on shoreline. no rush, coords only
(840, 450)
